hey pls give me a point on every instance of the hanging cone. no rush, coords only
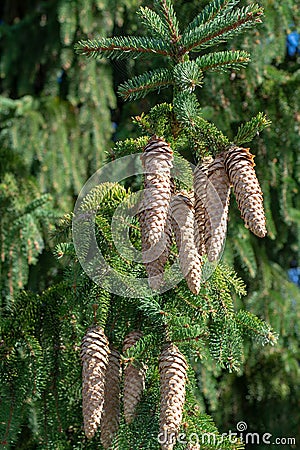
(157, 162)
(155, 257)
(217, 203)
(111, 408)
(239, 165)
(200, 190)
(182, 212)
(94, 355)
(172, 368)
(134, 380)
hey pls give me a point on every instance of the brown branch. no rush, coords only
(175, 36)
(199, 308)
(192, 338)
(88, 50)
(126, 94)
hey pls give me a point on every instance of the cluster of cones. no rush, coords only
(198, 219)
(101, 384)
(101, 393)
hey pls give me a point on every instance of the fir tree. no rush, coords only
(180, 123)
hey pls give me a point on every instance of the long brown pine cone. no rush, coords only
(155, 257)
(111, 409)
(217, 203)
(200, 192)
(94, 355)
(157, 162)
(239, 165)
(182, 213)
(134, 379)
(173, 376)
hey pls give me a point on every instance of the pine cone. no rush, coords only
(200, 191)
(239, 165)
(94, 355)
(155, 257)
(182, 212)
(217, 203)
(172, 368)
(157, 162)
(111, 408)
(134, 379)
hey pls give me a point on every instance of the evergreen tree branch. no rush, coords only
(221, 29)
(216, 7)
(140, 86)
(166, 10)
(244, 250)
(142, 348)
(226, 343)
(37, 203)
(232, 280)
(198, 303)
(213, 138)
(187, 76)
(249, 130)
(152, 309)
(63, 228)
(227, 60)
(187, 109)
(181, 165)
(181, 329)
(158, 121)
(64, 249)
(129, 146)
(153, 22)
(106, 195)
(222, 295)
(123, 47)
(8, 423)
(202, 133)
(255, 327)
